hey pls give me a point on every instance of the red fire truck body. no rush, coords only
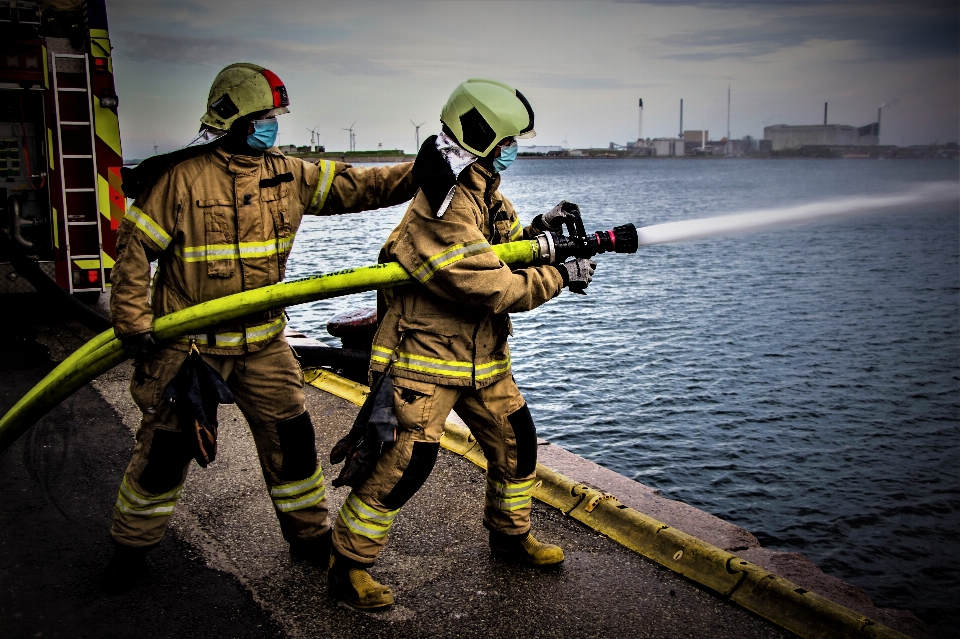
(60, 153)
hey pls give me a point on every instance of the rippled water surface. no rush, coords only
(803, 383)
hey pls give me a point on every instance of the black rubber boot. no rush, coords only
(126, 568)
(350, 581)
(313, 551)
(525, 549)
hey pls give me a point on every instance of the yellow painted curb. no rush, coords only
(784, 603)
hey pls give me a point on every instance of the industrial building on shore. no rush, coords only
(783, 136)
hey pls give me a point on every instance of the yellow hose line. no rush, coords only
(779, 601)
(104, 351)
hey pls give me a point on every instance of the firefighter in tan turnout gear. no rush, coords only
(220, 217)
(443, 342)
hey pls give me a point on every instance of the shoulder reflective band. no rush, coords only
(301, 494)
(324, 183)
(150, 228)
(365, 520)
(509, 497)
(233, 339)
(453, 254)
(241, 250)
(131, 502)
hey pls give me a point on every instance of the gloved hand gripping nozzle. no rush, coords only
(556, 248)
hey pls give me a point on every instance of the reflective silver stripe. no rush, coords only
(303, 501)
(493, 368)
(509, 497)
(297, 487)
(252, 335)
(131, 502)
(324, 183)
(364, 520)
(153, 230)
(515, 229)
(453, 254)
(441, 367)
(380, 354)
(243, 250)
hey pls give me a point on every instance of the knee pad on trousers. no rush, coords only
(169, 453)
(297, 447)
(526, 435)
(422, 459)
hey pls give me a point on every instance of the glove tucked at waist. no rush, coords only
(374, 429)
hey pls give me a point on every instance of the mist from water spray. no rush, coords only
(920, 198)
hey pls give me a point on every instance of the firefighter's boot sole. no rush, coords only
(525, 549)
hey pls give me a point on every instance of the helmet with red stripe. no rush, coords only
(241, 89)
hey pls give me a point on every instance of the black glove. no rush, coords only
(373, 431)
(554, 219)
(577, 274)
(141, 346)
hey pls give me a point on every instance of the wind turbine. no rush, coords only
(353, 138)
(417, 126)
(314, 136)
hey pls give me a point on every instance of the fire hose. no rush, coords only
(105, 351)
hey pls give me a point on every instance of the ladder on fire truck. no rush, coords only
(85, 268)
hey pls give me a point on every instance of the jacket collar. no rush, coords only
(236, 163)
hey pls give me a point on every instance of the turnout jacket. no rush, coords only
(220, 224)
(451, 327)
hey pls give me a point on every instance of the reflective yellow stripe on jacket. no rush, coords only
(515, 229)
(509, 497)
(132, 502)
(323, 187)
(230, 339)
(240, 250)
(301, 494)
(453, 254)
(365, 520)
(146, 224)
(440, 367)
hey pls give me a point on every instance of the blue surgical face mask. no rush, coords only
(507, 155)
(264, 134)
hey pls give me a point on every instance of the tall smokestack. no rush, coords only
(728, 111)
(824, 114)
(681, 118)
(640, 125)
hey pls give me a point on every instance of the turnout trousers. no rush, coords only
(267, 386)
(499, 419)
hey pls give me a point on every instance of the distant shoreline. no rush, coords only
(931, 152)
(941, 152)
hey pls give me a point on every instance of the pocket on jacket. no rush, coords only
(220, 249)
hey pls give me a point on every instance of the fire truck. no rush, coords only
(60, 155)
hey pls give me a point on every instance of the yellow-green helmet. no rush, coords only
(241, 89)
(480, 113)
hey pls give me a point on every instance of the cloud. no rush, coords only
(218, 51)
(889, 31)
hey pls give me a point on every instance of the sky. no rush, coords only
(385, 65)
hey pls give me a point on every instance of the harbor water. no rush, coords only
(802, 383)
